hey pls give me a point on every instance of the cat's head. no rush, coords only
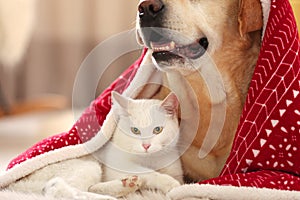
(145, 126)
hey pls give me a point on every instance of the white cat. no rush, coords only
(141, 155)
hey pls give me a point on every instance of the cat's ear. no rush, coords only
(170, 104)
(120, 102)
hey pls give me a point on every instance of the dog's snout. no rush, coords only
(150, 8)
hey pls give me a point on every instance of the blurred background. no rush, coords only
(42, 45)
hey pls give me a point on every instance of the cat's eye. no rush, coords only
(135, 131)
(158, 130)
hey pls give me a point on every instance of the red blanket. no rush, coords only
(266, 148)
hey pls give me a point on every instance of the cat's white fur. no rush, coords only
(85, 178)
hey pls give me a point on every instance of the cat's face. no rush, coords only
(146, 126)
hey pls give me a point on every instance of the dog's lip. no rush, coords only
(192, 51)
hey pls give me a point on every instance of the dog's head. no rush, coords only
(180, 32)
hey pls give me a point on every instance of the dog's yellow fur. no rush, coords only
(234, 51)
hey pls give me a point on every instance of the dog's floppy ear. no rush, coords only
(250, 16)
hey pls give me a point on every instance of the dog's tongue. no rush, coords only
(191, 51)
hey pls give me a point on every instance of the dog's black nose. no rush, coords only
(150, 8)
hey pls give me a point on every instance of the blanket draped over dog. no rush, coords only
(264, 161)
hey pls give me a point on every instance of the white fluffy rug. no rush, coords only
(7, 195)
(145, 195)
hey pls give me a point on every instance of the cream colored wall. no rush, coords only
(85, 19)
(64, 33)
(70, 30)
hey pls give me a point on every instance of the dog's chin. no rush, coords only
(166, 56)
(167, 60)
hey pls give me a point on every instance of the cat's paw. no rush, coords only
(167, 183)
(117, 188)
(58, 188)
(132, 183)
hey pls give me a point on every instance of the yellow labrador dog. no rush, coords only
(191, 37)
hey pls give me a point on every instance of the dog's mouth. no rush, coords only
(168, 45)
(166, 50)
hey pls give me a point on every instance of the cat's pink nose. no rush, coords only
(146, 146)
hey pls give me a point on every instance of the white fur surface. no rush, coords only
(231, 193)
(8, 195)
(16, 25)
(188, 192)
(145, 195)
